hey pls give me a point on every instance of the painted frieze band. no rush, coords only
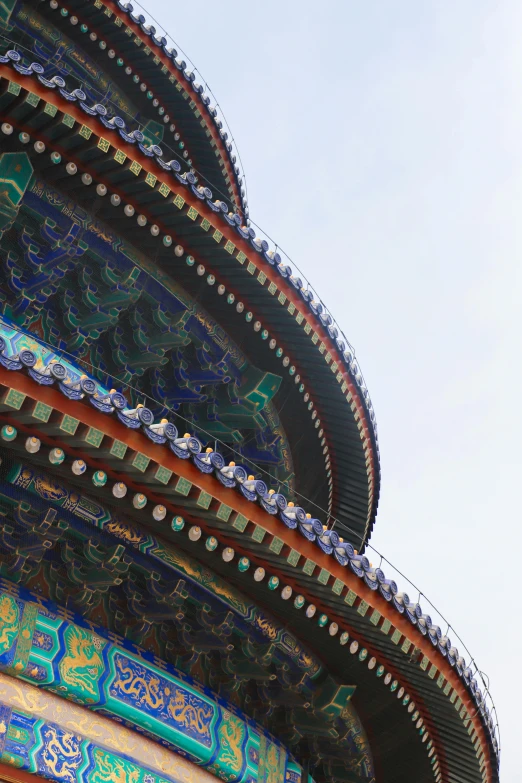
(89, 510)
(41, 646)
(95, 730)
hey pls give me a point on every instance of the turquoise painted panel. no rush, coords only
(89, 510)
(47, 749)
(45, 647)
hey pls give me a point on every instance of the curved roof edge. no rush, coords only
(166, 44)
(51, 372)
(340, 357)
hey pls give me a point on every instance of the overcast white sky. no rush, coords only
(382, 147)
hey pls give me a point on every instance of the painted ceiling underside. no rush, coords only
(189, 463)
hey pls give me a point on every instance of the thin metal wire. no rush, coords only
(202, 79)
(327, 515)
(313, 289)
(265, 234)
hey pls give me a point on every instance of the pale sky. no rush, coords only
(382, 147)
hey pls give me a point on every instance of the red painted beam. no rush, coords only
(137, 441)
(13, 775)
(187, 86)
(291, 294)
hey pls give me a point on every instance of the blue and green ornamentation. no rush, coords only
(44, 647)
(66, 59)
(55, 753)
(95, 731)
(115, 284)
(88, 510)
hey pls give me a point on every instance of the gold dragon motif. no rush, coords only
(203, 575)
(124, 531)
(145, 690)
(111, 769)
(231, 736)
(272, 764)
(62, 754)
(49, 489)
(265, 626)
(82, 665)
(8, 621)
(186, 714)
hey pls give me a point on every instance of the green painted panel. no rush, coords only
(118, 449)
(204, 499)
(42, 412)
(309, 567)
(6, 9)
(258, 534)
(140, 462)
(183, 486)
(69, 424)
(240, 522)
(87, 668)
(13, 399)
(276, 545)
(15, 174)
(163, 475)
(224, 512)
(94, 437)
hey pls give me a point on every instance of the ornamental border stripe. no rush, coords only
(316, 549)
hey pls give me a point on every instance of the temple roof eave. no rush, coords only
(317, 582)
(299, 318)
